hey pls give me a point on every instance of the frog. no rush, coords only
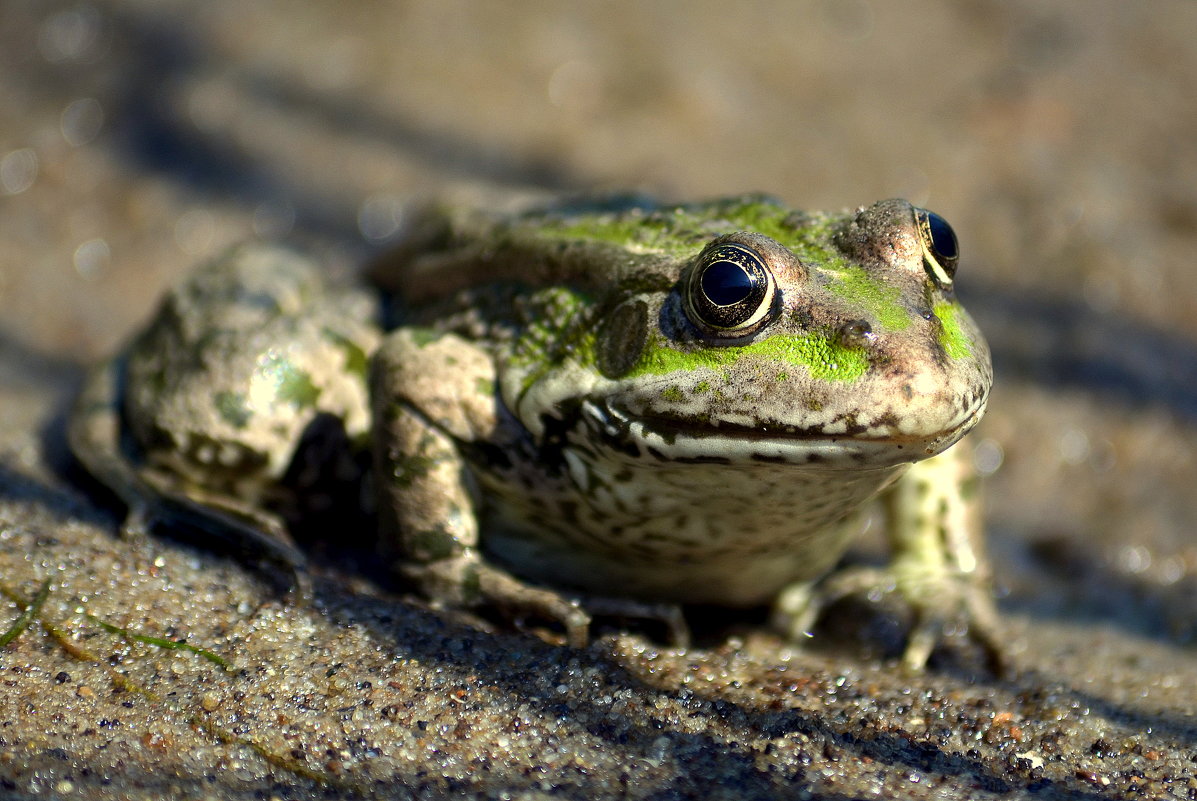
(603, 407)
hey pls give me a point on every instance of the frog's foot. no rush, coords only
(466, 582)
(507, 591)
(260, 538)
(256, 535)
(942, 606)
(463, 581)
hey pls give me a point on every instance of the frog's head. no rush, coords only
(741, 330)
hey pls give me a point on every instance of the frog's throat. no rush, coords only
(670, 440)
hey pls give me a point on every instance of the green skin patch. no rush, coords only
(558, 329)
(648, 234)
(233, 408)
(855, 285)
(294, 385)
(423, 337)
(951, 337)
(410, 469)
(291, 385)
(433, 545)
(356, 360)
(673, 394)
(540, 348)
(676, 230)
(824, 358)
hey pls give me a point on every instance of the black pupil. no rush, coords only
(943, 238)
(726, 283)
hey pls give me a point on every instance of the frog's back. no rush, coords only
(591, 244)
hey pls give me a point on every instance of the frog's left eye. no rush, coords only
(941, 251)
(730, 289)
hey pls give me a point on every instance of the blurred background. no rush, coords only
(138, 137)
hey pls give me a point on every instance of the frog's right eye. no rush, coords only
(730, 289)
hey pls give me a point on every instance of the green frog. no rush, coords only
(613, 407)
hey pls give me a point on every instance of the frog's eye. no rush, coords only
(941, 251)
(730, 289)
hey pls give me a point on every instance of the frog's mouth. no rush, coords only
(672, 440)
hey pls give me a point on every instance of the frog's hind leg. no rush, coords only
(95, 436)
(432, 397)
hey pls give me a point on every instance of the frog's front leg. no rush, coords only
(432, 394)
(938, 565)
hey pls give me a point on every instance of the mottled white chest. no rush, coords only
(613, 523)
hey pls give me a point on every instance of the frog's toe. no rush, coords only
(506, 591)
(669, 615)
(796, 610)
(139, 519)
(963, 612)
(301, 592)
